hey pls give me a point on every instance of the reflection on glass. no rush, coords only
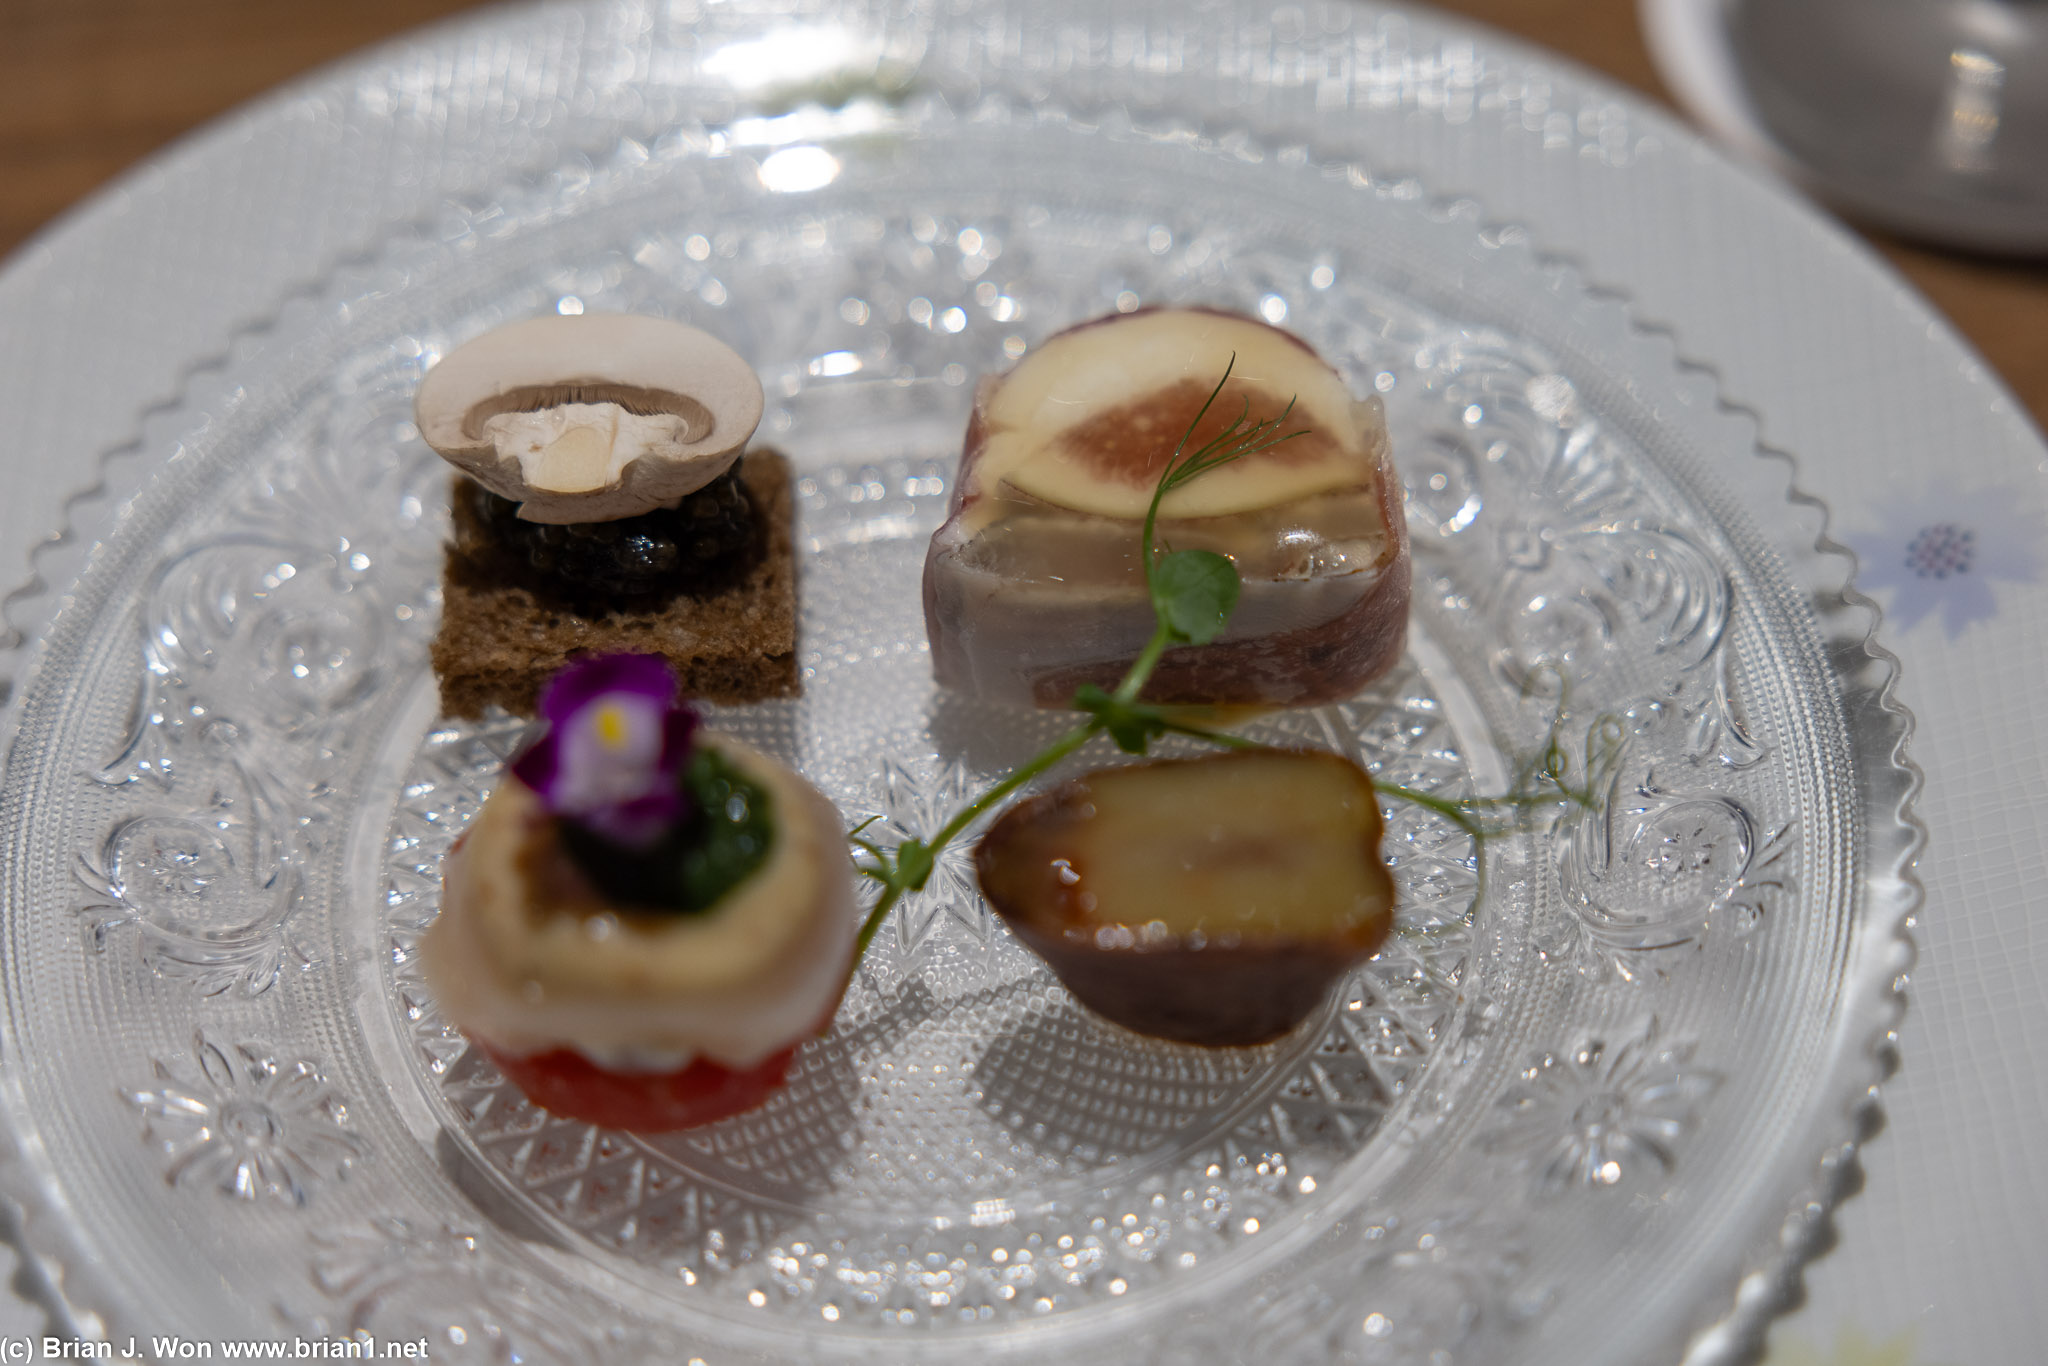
(1970, 122)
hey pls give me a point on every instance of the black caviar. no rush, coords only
(705, 543)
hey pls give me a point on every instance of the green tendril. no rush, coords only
(1193, 593)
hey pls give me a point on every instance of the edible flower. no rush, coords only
(614, 749)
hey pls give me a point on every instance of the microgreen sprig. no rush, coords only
(1193, 593)
(1550, 778)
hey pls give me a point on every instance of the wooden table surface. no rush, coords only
(90, 87)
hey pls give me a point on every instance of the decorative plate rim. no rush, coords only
(1769, 1279)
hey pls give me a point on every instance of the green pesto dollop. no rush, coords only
(728, 836)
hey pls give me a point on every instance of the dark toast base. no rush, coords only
(501, 640)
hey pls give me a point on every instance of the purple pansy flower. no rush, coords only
(1942, 550)
(616, 740)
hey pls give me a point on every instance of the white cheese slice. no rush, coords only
(734, 984)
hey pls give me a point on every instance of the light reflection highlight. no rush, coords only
(794, 56)
(795, 170)
(1970, 123)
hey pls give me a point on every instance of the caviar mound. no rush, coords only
(709, 541)
(504, 631)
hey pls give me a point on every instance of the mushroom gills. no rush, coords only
(582, 447)
(590, 417)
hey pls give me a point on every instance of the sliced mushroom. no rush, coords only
(590, 417)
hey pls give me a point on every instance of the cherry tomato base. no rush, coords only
(566, 1084)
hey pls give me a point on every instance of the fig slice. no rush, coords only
(1088, 421)
(1210, 901)
(1035, 585)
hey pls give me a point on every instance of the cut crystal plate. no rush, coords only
(1580, 1093)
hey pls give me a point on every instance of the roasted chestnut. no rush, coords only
(1211, 900)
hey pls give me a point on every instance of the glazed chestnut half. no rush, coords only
(1211, 900)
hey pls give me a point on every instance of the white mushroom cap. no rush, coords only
(590, 417)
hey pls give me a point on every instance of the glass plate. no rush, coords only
(1552, 1121)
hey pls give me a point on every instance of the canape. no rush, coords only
(645, 920)
(1035, 585)
(1210, 901)
(604, 505)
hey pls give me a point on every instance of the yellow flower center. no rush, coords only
(611, 726)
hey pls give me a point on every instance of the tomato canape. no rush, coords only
(564, 1082)
(644, 921)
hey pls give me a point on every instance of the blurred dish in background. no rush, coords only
(1928, 117)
